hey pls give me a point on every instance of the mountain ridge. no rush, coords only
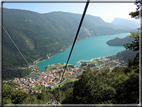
(38, 35)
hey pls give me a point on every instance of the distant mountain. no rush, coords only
(126, 23)
(38, 35)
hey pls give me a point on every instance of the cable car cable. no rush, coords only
(14, 44)
(85, 9)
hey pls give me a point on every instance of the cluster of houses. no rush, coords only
(26, 84)
(107, 63)
(103, 63)
(49, 78)
(53, 77)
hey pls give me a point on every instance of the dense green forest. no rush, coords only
(10, 73)
(124, 55)
(105, 87)
(38, 35)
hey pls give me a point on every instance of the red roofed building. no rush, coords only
(84, 67)
(60, 77)
(69, 72)
(51, 74)
(61, 74)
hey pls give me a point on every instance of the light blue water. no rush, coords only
(85, 50)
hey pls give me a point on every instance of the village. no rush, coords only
(51, 77)
(48, 78)
(102, 63)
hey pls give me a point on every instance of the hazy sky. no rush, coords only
(107, 11)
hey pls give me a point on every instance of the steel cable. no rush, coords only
(85, 9)
(14, 44)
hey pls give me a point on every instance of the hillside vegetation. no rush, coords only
(117, 86)
(120, 42)
(38, 35)
(120, 86)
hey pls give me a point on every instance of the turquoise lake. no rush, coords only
(86, 50)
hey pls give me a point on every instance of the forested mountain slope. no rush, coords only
(120, 42)
(38, 35)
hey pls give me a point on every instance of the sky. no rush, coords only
(107, 11)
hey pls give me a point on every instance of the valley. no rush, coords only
(33, 33)
(103, 67)
(51, 77)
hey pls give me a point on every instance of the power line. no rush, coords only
(76, 35)
(85, 9)
(14, 44)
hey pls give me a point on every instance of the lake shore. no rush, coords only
(85, 49)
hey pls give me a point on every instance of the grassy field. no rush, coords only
(94, 61)
(54, 66)
(37, 87)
